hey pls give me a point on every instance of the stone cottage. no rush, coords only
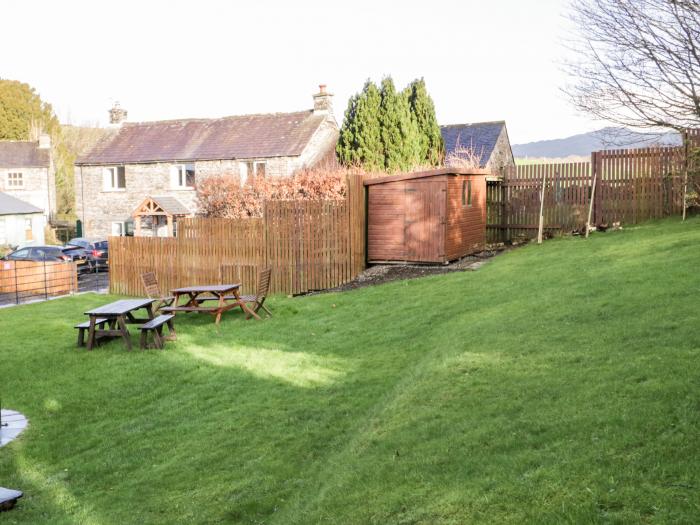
(487, 140)
(153, 168)
(27, 173)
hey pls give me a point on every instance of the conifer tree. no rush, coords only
(432, 148)
(399, 131)
(360, 139)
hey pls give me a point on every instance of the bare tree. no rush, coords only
(637, 62)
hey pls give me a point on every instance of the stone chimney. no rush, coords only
(323, 101)
(117, 115)
(44, 141)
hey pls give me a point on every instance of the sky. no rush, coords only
(481, 60)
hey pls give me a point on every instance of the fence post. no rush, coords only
(540, 227)
(686, 153)
(597, 167)
(592, 194)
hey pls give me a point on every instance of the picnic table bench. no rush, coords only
(116, 315)
(227, 297)
(155, 326)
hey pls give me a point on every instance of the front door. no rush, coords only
(424, 223)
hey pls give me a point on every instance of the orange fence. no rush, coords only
(309, 245)
(25, 280)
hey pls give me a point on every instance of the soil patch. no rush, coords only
(384, 273)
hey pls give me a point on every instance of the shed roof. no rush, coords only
(426, 174)
(10, 205)
(23, 154)
(480, 137)
(236, 137)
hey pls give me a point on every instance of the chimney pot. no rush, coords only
(323, 101)
(44, 141)
(117, 115)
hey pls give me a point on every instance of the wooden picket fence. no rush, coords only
(631, 186)
(309, 245)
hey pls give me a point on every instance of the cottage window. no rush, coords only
(15, 180)
(114, 178)
(250, 170)
(182, 176)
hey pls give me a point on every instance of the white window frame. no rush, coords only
(245, 175)
(178, 176)
(110, 178)
(121, 228)
(15, 177)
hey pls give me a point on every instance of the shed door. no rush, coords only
(425, 219)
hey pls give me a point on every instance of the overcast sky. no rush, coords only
(482, 60)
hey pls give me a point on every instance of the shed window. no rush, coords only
(15, 180)
(466, 193)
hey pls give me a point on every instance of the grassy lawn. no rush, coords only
(557, 384)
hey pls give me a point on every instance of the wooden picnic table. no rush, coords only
(118, 314)
(227, 297)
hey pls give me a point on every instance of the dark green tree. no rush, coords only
(23, 115)
(360, 142)
(22, 112)
(399, 130)
(432, 147)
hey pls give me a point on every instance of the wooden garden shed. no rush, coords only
(432, 216)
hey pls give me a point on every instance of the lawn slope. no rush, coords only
(558, 383)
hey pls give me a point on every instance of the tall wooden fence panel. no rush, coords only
(309, 245)
(639, 184)
(514, 203)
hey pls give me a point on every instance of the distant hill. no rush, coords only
(585, 143)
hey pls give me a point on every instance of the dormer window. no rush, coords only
(15, 180)
(182, 176)
(114, 178)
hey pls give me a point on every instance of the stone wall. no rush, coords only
(38, 189)
(502, 155)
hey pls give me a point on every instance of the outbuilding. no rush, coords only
(432, 216)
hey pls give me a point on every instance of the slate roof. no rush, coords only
(23, 154)
(10, 205)
(481, 137)
(171, 205)
(237, 137)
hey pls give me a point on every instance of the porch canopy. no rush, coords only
(159, 212)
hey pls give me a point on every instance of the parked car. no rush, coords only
(95, 252)
(39, 253)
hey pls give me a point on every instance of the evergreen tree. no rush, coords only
(432, 147)
(360, 139)
(21, 109)
(399, 130)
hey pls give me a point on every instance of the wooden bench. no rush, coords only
(155, 326)
(189, 308)
(82, 327)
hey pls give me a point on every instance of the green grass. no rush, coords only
(557, 384)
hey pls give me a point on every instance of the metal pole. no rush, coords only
(590, 205)
(541, 225)
(14, 265)
(46, 292)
